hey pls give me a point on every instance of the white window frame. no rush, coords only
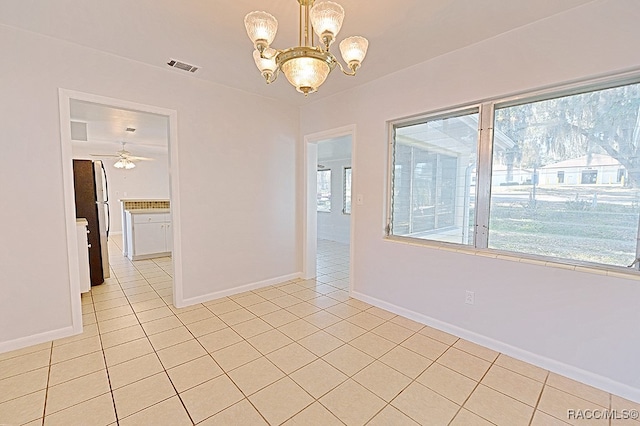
(483, 171)
(344, 190)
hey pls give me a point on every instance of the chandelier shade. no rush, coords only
(307, 65)
(124, 163)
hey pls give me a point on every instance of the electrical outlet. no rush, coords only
(469, 297)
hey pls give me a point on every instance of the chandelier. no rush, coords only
(306, 66)
(124, 163)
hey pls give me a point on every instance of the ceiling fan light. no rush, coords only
(266, 63)
(305, 73)
(326, 19)
(353, 50)
(261, 29)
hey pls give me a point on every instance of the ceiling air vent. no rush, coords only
(182, 66)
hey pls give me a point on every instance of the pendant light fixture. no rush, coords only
(305, 66)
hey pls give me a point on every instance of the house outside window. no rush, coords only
(324, 191)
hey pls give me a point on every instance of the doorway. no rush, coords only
(69, 102)
(330, 179)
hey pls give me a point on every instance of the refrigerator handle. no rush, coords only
(108, 219)
(106, 183)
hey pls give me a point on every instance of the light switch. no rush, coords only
(359, 199)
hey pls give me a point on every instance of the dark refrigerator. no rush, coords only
(92, 203)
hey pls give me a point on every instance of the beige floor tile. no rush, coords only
(220, 339)
(441, 336)
(298, 329)
(110, 303)
(322, 319)
(498, 408)
(127, 351)
(477, 350)
(320, 343)
(382, 380)
(425, 406)
(340, 402)
(315, 414)
(160, 325)
(181, 353)
(210, 397)
(23, 409)
(154, 314)
(359, 303)
(235, 355)
(263, 308)
(200, 328)
(372, 344)
(303, 309)
(75, 349)
(251, 328)
(24, 351)
(88, 330)
(291, 288)
(133, 370)
(348, 359)
(195, 315)
(447, 383)
(89, 318)
(391, 416)
(143, 297)
(467, 418)
(111, 313)
(270, 341)
(323, 302)
(543, 419)
(521, 367)
(241, 413)
(405, 361)
(142, 394)
(77, 390)
(76, 367)
(23, 384)
(345, 331)
(168, 412)
(366, 320)
(343, 310)
(513, 384)
(381, 313)
(393, 332)
(193, 373)
(407, 323)
(117, 323)
(270, 293)
(281, 400)
(148, 305)
(249, 299)
(121, 336)
(425, 346)
(578, 389)
(236, 317)
(318, 378)
(557, 403)
(619, 403)
(464, 363)
(223, 307)
(255, 375)
(170, 337)
(95, 412)
(291, 357)
(279, 318)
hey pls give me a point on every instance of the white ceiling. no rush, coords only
(211, 34)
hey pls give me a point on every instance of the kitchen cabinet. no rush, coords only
(150, 234)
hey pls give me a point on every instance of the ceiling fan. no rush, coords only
(125, 159)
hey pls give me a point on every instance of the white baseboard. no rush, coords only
(235, 290)
(584, 376)
(36, 339)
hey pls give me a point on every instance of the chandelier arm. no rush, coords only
(345, 72)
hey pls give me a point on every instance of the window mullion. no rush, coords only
(483, 175)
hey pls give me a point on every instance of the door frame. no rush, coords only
(310, 221)
(64, 98)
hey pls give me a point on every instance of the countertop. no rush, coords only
(148, 211)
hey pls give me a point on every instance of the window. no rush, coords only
(560, 177)
(433, 196)
(324, 190)
(346, 190)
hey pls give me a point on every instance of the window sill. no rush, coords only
(612, 271)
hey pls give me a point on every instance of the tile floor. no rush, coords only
(297, 353)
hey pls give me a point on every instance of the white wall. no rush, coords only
(149, 179)
(582, 324)
(335, 225)
(237, 189)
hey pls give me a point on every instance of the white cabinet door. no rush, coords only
(149, 238)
